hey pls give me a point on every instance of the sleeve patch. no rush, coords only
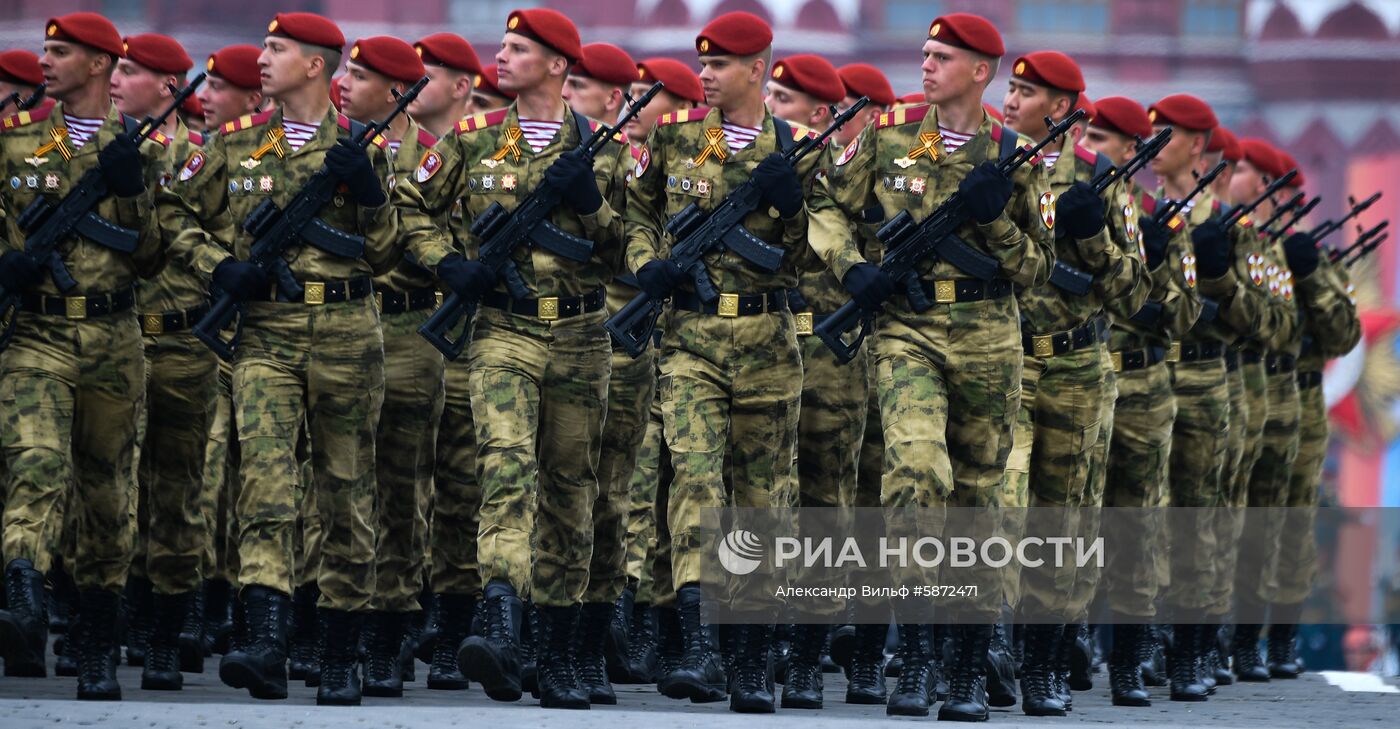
(849, 152)
(192, 166)
(1188, 269)
(643, 162)
(1047, 210)
(429, 166)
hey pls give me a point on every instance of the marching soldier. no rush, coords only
(949, 378)
(72, 377)
(862, 79)
(20, 74)
(452, 67)
(316, 361)
(1224, 147)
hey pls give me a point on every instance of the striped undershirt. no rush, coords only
(81, 129)
(538, 134)
(952, 140)
(1050, 159)
(739, 137)
(394, 145)
(298, 133)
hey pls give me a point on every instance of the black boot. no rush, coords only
(641, 645)
(803, 687)
(1038, 696)
(1283, 640)
(1205, 643)
(529, 649)
(1182, 665)
(940, 638)
(141, 620)
(1059, 667)
(63, 599)
(1152, 657)
(914, 691)
(1080, 651)
(340, 658)
(258, 662)
(615, 636)
(65, 660)
(842, 645)
(699, 676)
(751, 684)
(1000, 668)
(967, 676)
(427, 625)
(383, 646)
(192, 646)
(24, 624)
(865, 671)
(162, 670)
(493, 659)
(828, 665)
(559, 686)
(592, 659)
(1124, 668)
(96, 645)
(453, 618)
(218, 615)
(670, 643)
(1244, 651)
(304, 650)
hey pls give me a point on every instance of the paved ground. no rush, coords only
(207, 704)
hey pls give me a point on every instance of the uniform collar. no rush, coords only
(111, 126)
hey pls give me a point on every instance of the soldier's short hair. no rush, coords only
(993, 63)
(766, 55)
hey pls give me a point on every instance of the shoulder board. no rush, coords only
(24, 118)
(594, 125)
(683, 115)
(196, 139)
(354, 127)
(1086, 156)
(426, 138)
(907, 115)
(160, 139)
(477, 122)
(247, 121)
(1176, 223)
(800, 132)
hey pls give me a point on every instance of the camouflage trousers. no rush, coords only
(1297, 554)
(1090, 509)
(1256, 577)
(631, 388)
(539, 393)
(1228, 519)
(870, 470)
(317, 370)
(220, 559)
(1135, 486)
(1199, 442)
(456, 498)
(173, 536)
(308, 536)
(641, 504)
(71, 393)
(729, 388)
(406, 454)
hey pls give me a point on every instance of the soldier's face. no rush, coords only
(948, 72)
(846, 134)
(223, 102)
(69, 66)
(445, 88)
(138, 91)
(1026, 105)
(592, 98)
(1221, 186)
(1117, 147)
(524, 64)
(285, 65)
(482, 103)
(728, 78)
(365, 94)
(639, 126)
(1178, 152)
(790, 104)
(1247, 184)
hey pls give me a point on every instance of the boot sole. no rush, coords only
(698, 693)
(237, 675)
(751, 707)
(448, 684)
(478, 663)
(162, 684)
(383, 692)
(191, 655)
(892, 711)
(796, 703)
(1044, 712)
(1117, 701)
(100, 695)
(960, 716)
(1190, 698)
(337, 702)
(865, 699)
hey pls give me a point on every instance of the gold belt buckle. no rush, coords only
(945, 292)
(1117, 358)
(437, 299)
(729, 305)
(153, 324)
(804, 323)
(1174, 352)
(549, 308)
(315, 293)
(1043, 345)
(75, 307)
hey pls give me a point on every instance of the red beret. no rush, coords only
(1290, 164)
(1090, 111)
(863, 79)
(449, 50)
(1222, 140)
(489, 82)
(734, 34)
(1185, 111)
(89, 29)
(1051, 69)
(678, 77)
(914, 98)
(335, 92)
(308, 28)
(192, 106)
(160, 53)
(389, 56)
(965, 30)
(607, 63)
(237, 65)
(21, 67)
(1122, 115)
(550, 27)
(1263, 157)
(812, 75)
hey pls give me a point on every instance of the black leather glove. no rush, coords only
(468, 279)
(18, 272)
(241, 280)
(120, 162)
(868, 285)
(351, 165)
(777, 179)
(1212, 246)
(659, 278)
(1080, 211)
(985, 191)
(572, 176)
(1301, 251)
(1154, 241)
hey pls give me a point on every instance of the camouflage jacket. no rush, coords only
(39, 159)
(176, 288)
(898, 163)
(1241, 300)
(1328, 317)
(408, 275)
(486, 161)
(686, 160)
(248, 161)
(1173, 280)
(1270, 321)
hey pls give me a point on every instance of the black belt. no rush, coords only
(1251, 356)
(169, 322)
(963, 290)
(402, 302)
(316, 293)
(548, 308)
(1052, 345)
(1137, 359)
(1280, 364)
(1197, 351)
(1309, 380)
(732, 305)
(1232, 360)
(79, 307)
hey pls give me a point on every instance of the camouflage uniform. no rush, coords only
(456, 492)
(538, 384)
(221, 482)
(70, 412)
(642, 523)
(948, 379)
(305, 365)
